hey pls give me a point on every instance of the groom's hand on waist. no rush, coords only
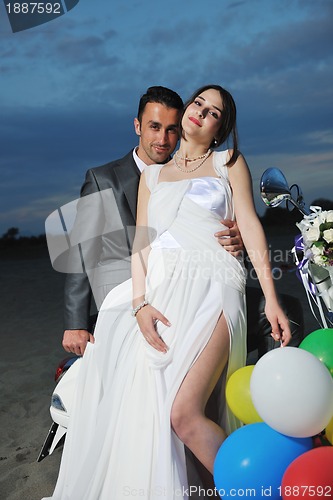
(75, 341)
(230, 238)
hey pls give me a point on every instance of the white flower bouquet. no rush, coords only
(317, 265)
(317, 232)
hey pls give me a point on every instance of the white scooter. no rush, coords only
(61, 401)
(313, 251)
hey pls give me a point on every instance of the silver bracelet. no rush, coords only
(138, 307)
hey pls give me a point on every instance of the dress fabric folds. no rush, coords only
(119, 443)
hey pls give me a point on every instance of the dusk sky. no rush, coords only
(70, 89)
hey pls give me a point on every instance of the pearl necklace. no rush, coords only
(205, 156)
(189, 159)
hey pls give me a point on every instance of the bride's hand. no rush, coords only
(147, 317)
(279, 323)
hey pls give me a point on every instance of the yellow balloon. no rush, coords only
(329, 431)
(239, 398)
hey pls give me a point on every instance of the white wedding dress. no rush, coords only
(119, 442)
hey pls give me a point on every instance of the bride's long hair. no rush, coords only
(228, 128)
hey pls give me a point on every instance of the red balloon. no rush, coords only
(310, 475)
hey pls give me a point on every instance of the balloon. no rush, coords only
(292, 391)
(238, 396)
(310, 475)
(252, 460)
(329, 431)
(320, 343)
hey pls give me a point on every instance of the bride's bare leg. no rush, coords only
(200, 434)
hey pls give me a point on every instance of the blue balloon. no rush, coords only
(252, 460)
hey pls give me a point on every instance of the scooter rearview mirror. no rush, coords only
(274, 190)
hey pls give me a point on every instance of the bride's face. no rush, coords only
(202, 118)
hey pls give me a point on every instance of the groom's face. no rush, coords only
(158, 132)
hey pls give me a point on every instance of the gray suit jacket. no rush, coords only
(104, 230)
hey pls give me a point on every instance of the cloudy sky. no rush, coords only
(70, 88)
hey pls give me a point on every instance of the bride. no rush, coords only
(164, 339)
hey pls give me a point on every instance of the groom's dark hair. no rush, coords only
(160, 95)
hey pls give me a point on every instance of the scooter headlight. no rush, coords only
(57, 403)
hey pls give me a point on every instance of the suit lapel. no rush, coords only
(128, 176)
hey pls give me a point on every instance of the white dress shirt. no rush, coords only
(139, 163)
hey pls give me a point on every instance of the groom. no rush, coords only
(105, 257)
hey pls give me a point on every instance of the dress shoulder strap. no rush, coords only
(220, 159)
(151, 173)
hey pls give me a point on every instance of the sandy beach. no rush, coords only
(31, 333)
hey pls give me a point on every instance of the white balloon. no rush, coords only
(292, 390)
